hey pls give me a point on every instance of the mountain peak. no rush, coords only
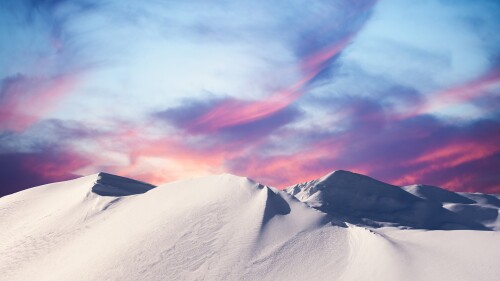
(343, 176)
(342, 173)
(343, 181)
(360, 199)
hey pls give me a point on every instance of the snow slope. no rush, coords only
(104, 227)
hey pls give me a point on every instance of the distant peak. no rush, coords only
(113, 185)
(342, 173)
(343, 177)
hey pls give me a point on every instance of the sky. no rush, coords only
(282, 92)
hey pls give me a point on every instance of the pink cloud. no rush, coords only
(25, 100)
(24, 170)
(458, 94)
(449, 157)
(236, 112)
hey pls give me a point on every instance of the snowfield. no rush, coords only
(344, 226)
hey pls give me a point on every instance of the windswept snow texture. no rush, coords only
(104, 227)
(361, 200)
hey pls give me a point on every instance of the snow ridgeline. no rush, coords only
(104, 227)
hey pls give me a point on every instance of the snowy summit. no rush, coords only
(343, 226)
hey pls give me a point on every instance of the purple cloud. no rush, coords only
(24, 170)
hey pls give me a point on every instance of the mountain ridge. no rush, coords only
(358, 199)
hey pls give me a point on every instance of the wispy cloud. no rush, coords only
(25, 100)
(237, 112)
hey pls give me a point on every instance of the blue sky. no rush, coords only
(280, 91)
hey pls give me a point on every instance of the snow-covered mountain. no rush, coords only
(355, 198)
(351, 227)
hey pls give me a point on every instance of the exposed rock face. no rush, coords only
(111, 185)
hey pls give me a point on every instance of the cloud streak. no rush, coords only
(460, 94)
(25, 100)
(237, 112)
(311, 65)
